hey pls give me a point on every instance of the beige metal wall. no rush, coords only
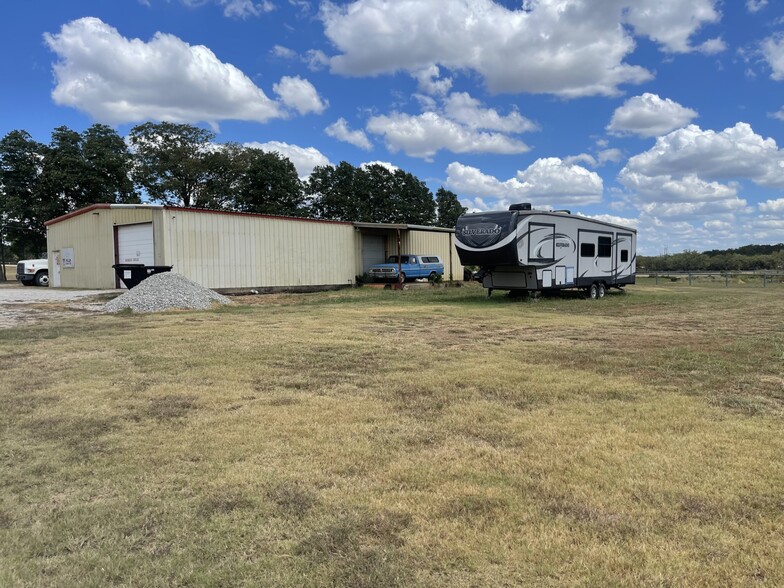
(91, 235)
(430, 243)
(243, 251)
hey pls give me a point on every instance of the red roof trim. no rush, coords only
(76, 213)
(256, 214)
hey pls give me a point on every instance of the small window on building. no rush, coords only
(605, 247)
(624, 255)
(587, 250)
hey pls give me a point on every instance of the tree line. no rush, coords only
(746, 258)
(182, 165)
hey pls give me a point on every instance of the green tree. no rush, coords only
(370, 194)
(448, 208)
(172, 162)
(268, 184)
(61, 184)
(412, 201)
(338, 192)
(21, 211)
(222, 180)
(107, 167)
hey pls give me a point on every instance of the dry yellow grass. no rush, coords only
(372, 438)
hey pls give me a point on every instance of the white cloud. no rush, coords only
(585, 158)
(756, 5)
(299, 94)
(649, 116)
(341, 131)
(429, 82)
(603, 156)
(712, 46)
(245, 8)
(778, 115)
(690, 210)
(316, 59)
(717, 225)
(562, 47)
(385, 164)
(566, 47)
(774, 206)
(672, 23)
(117, 80)
(734, 153)
(550, 182)
(666, 188)
(616, 220)
(283, 52)
(425, 134)
(303, 158)
(612, 155)
(773, 52)
(693, 174)
(461, 107)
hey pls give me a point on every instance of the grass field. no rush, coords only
(417, 438)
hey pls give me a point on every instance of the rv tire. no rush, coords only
(593, 291)
(602, 290)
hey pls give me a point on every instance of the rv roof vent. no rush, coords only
(564, 211)
(521, 206)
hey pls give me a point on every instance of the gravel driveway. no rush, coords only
(28, 304)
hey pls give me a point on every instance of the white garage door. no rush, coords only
(134, 244)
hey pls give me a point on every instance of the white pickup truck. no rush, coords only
(33, 271)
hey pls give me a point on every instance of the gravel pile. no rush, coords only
(166, 291)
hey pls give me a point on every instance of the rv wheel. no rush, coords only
(593, 291)
(602, 290)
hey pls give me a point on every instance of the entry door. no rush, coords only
(135, 245)
(373, 248)
(58, 264)
(624, 252)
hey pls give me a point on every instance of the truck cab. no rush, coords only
(411, 267)
(33, 271)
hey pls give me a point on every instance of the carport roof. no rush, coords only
(393, 226)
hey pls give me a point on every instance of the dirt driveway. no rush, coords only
(28, 304)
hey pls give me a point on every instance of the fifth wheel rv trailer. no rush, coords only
(523, 249)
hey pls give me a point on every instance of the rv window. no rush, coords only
(587, 250)
(605, 247)
(624, 255)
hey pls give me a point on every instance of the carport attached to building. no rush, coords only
(228, 250)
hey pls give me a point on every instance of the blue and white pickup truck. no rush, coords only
(411, 268)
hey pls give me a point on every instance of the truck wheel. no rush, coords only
(602, 290)
(432, 277)
(402, 277)
(593, 291)
(42, 278)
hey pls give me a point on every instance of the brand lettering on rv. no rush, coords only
(481, 231)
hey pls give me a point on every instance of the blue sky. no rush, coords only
(662, 114)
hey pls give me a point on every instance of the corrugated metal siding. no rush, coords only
(436, 243)
(232, 251)
(91, 235)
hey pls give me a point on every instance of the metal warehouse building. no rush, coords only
(226, 250)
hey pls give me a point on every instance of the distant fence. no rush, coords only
(764, 277)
